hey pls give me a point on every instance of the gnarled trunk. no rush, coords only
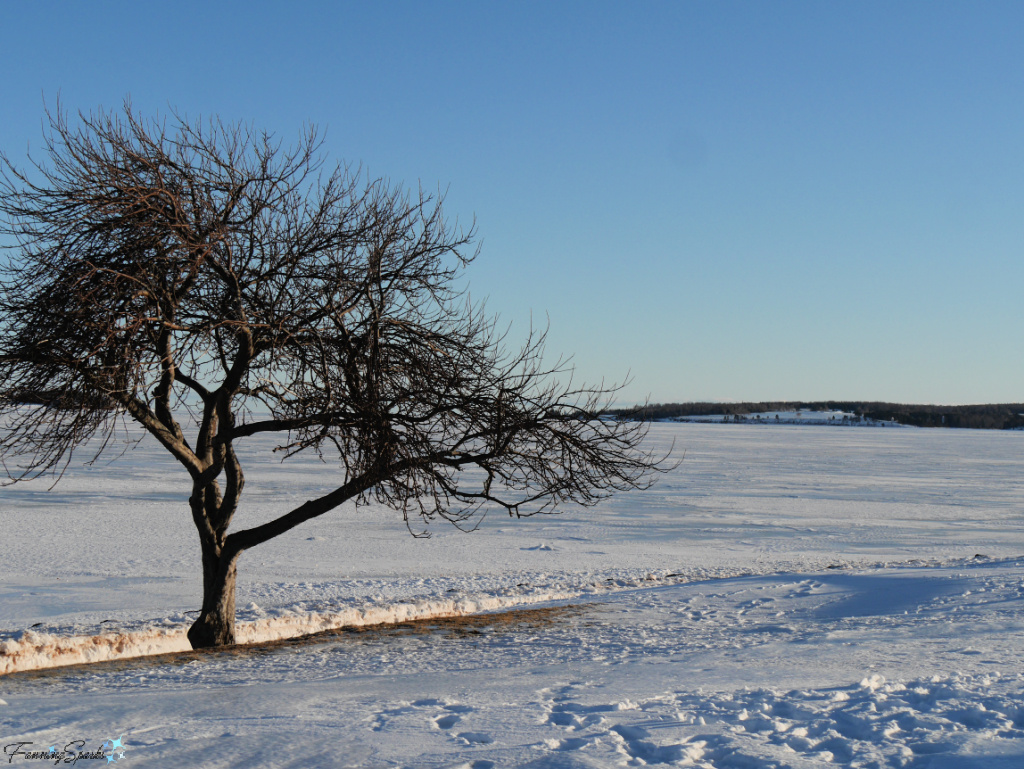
(216, 623)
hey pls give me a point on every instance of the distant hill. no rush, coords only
(992, 416)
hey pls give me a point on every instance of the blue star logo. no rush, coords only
(116, 748)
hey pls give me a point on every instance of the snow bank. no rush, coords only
(31, 650)
(296, 625)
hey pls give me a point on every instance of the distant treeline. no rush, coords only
(994, 416)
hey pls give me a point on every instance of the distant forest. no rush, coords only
(995, 416)
(991, 416)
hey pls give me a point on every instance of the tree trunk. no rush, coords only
(216, 623)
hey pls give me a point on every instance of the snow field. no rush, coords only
(725, 673)
(790, 597)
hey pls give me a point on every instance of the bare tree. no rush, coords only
(200, 276)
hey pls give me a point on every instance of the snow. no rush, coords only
(788, 597)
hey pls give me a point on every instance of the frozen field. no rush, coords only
(789, 597)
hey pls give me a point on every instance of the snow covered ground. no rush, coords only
(789, 597)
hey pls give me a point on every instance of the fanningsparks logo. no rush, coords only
(110, 752)
(113, 749)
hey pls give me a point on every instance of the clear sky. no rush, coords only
(728, 201)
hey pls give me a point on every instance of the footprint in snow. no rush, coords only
(476, 738)
(636, 747)
(447, 722)
(561, 718)
(449, 719)
(571, 743)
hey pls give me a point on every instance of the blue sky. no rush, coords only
(732, 201)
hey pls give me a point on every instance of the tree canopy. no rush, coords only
(212, 284)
